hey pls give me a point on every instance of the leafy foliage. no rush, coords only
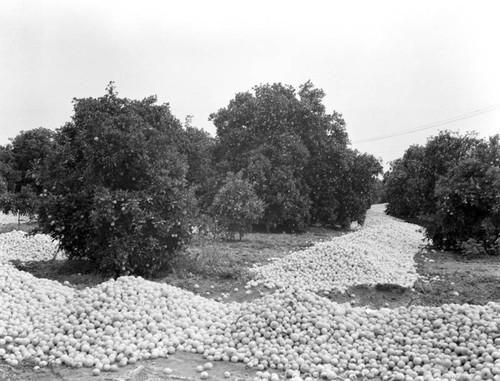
(345, 184)
(114, 187)
(198, 146)
(411, 182)
(468, 207)
(21, 158)
(406, 184)
(453, 185)
(236, 206)
(119, 183)
(260, 135)
(6, 170)
(282, 140)
(357, 188)
(472, 248)
(3, 185)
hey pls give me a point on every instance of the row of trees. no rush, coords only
(124, 182)
(451, 185)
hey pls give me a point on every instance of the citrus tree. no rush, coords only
(295, 153)
(406, 184)
(468, 208)
(197, 146)
(5, 170)
(21, 158)
(451, 185)
(114, 189)
(259, 132)
(411, 182)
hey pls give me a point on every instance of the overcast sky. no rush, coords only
(387, 66)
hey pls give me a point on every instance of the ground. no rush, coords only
(451, 279)
(183, 366)
(219, 272)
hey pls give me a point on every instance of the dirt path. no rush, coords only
(183, 366)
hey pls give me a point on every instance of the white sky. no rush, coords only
(387, 66)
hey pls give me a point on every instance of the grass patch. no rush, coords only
(79, 273)
(23, 226)
(225, 259)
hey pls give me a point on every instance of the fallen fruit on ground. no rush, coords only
(293, 330)
(381, 252)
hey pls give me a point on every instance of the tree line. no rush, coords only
(124, 182)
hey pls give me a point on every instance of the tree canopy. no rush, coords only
(19, 162)
(452, 186)
(121, 183)
(115, 188)
(296, 154)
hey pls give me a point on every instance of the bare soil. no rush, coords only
(183, 367)
(446, 277)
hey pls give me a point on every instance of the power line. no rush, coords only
(434, 124)
(390, 151)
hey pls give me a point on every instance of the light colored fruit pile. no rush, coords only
(306, 332)
(305, 335)
(16, 245)
(117, 322)
(11, 219)
(381, 252)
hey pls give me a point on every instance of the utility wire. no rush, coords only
(444, 122)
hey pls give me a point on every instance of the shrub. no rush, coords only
(236, 206)
(472, 248)
(114, 188)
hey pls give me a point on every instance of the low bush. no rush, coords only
(236, 206)
(472, 248)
